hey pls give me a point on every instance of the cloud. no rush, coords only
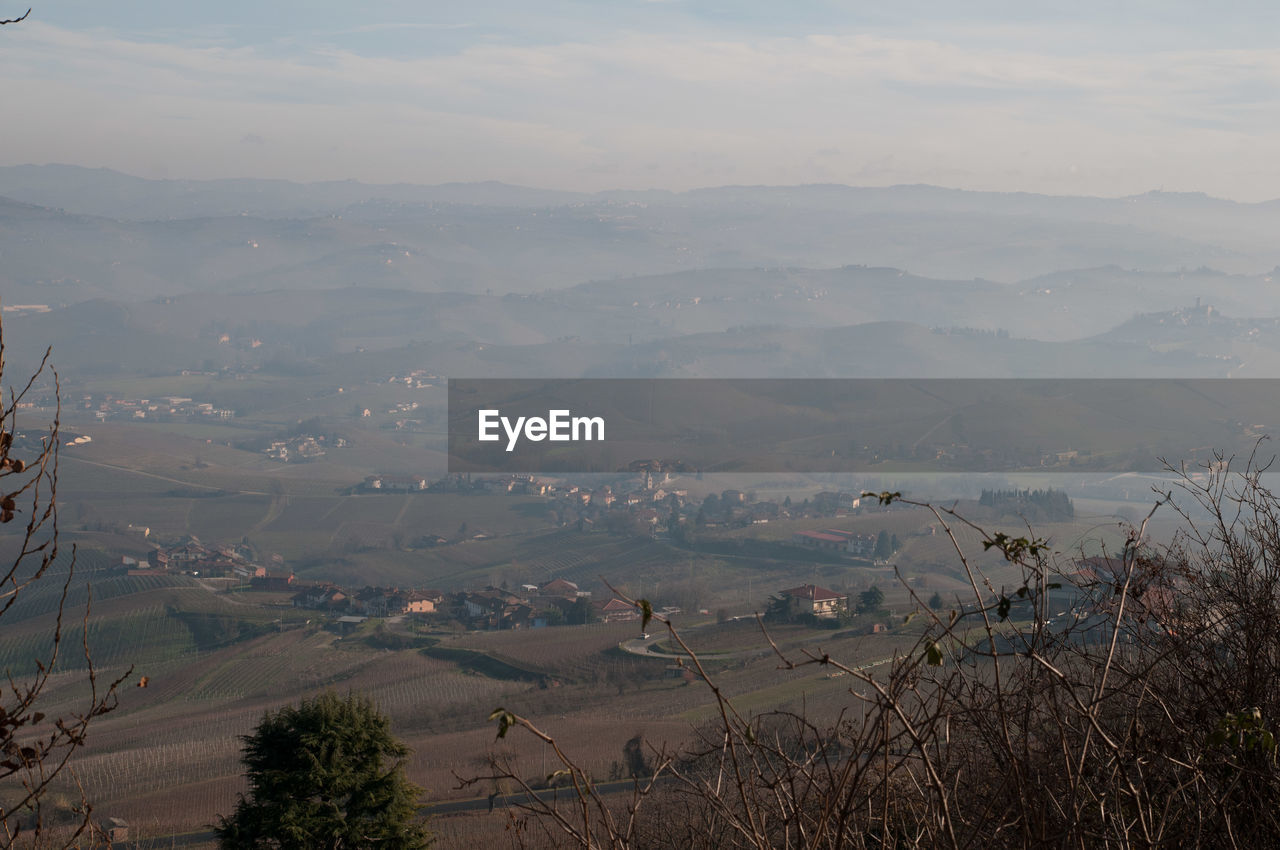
(401, 26)
(648, 109)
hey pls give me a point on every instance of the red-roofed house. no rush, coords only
(1149, 591)
(559, 587)
(616, 611)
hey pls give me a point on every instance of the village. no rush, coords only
(556, 602)
(302, 447)
(649, 504)
(108, 408)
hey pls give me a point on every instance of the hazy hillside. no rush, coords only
(881, 349)
(1065, 305)
(884, 325)
(103, 192)
(106, 234)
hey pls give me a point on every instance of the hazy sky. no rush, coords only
(1081, 98)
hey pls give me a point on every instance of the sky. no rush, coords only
(1086, 98)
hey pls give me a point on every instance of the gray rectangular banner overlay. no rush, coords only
(854, 425)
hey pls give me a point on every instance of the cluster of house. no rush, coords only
(238, 372)
(837, 540)
(193, 558)
(395, 482)
(737, 509)
(417, 379)
(653, 501)
(240, 341)
(369, 601)
(648, 490)
(649, 502)
(1146, 600)
(300, 448)
(647, 507)
(533, 606)
(163, 409)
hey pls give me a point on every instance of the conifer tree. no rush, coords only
(323, 775)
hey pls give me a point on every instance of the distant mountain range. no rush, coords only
(104, 192)
(491, 236)
(487, 279)
(380, 338)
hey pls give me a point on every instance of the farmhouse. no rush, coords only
(177, 557)
(324, 596)
(1149, 596)
(379, 602)
(616, 611)
(248, 572)
(114, 829)
(272, 582)
(489, 608)
(422, 601)
(395, 482)
(349, 623)
(818, 601)
(193, 558)
(836, 540)
(559, 587)
(863, 545)
(520, 616)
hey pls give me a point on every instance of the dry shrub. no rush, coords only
(1145, 717)
(36, 749)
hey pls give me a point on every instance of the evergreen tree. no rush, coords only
(935, 601)
(323, 775)
(780, 609)
(1044, 505)
(884, 548)
(580, 612)
(634, 758)
(870, 601)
